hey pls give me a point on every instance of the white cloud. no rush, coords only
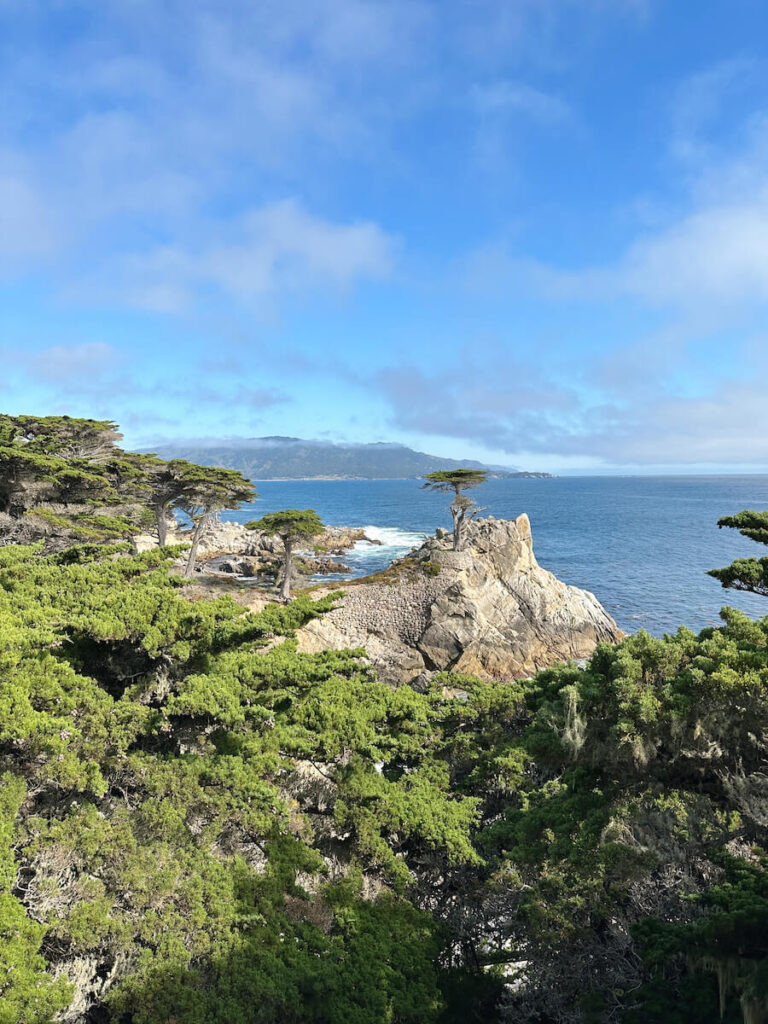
(713, 261)
(547, 33)
(102, 381)
(278, 249)
(705, 99)
(709, 258)
(160, 116)
(670, 398)
(285, 246)
(715, 255)
(82, 367)
(505, 98)
(519, 413)
(65, 364)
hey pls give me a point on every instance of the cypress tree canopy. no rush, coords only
(290, 522)
(455, 479)
(749, 574)
(65, 480)
(463, 509)
(293, 526)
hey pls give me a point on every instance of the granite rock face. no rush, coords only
(489, 610)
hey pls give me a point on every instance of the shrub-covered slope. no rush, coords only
(198, 823)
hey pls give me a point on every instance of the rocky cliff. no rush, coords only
(489, 610)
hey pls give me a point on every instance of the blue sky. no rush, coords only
(528, 231)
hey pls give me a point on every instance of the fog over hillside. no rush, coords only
(293, 458)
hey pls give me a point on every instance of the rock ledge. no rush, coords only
(489, 610)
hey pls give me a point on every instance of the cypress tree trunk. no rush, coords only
(197, 533)
(162, 525)
(285, 590)
(456, 513)
(457, 517)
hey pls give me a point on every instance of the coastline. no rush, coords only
(374, 479)
(641, 544)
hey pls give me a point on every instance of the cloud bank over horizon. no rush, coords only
(533, 234)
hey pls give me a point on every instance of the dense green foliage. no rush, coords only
(198, 491)
(293, 526)
(290, 522)
(660, 746)
(66, 477)
(200, 823)
(729, 941)
(455, 479)
(205, 491)
(746, 573)
(231, 830)
(151, 750)
(67, 481)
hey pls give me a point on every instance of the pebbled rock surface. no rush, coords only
(490, 610)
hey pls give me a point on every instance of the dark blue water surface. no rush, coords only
(641, 544)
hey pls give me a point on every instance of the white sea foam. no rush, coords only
(364, 557)
(392, 540)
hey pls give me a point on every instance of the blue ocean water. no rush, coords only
(641, 544)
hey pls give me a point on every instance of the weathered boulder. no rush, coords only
(338, 539)
(322, 566)
(489, 610)
(238, 566)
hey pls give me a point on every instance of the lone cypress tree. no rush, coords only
(292, 525)
(749, 574)
(463, 509)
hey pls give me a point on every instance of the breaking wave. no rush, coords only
(392, 539)
(366, 558)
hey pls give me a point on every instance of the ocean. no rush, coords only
(642, 545)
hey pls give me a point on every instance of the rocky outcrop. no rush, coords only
(219, 538)
(489, 610)
(338, 539)
(227, 538)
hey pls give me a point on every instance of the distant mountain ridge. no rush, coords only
(295, 458)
